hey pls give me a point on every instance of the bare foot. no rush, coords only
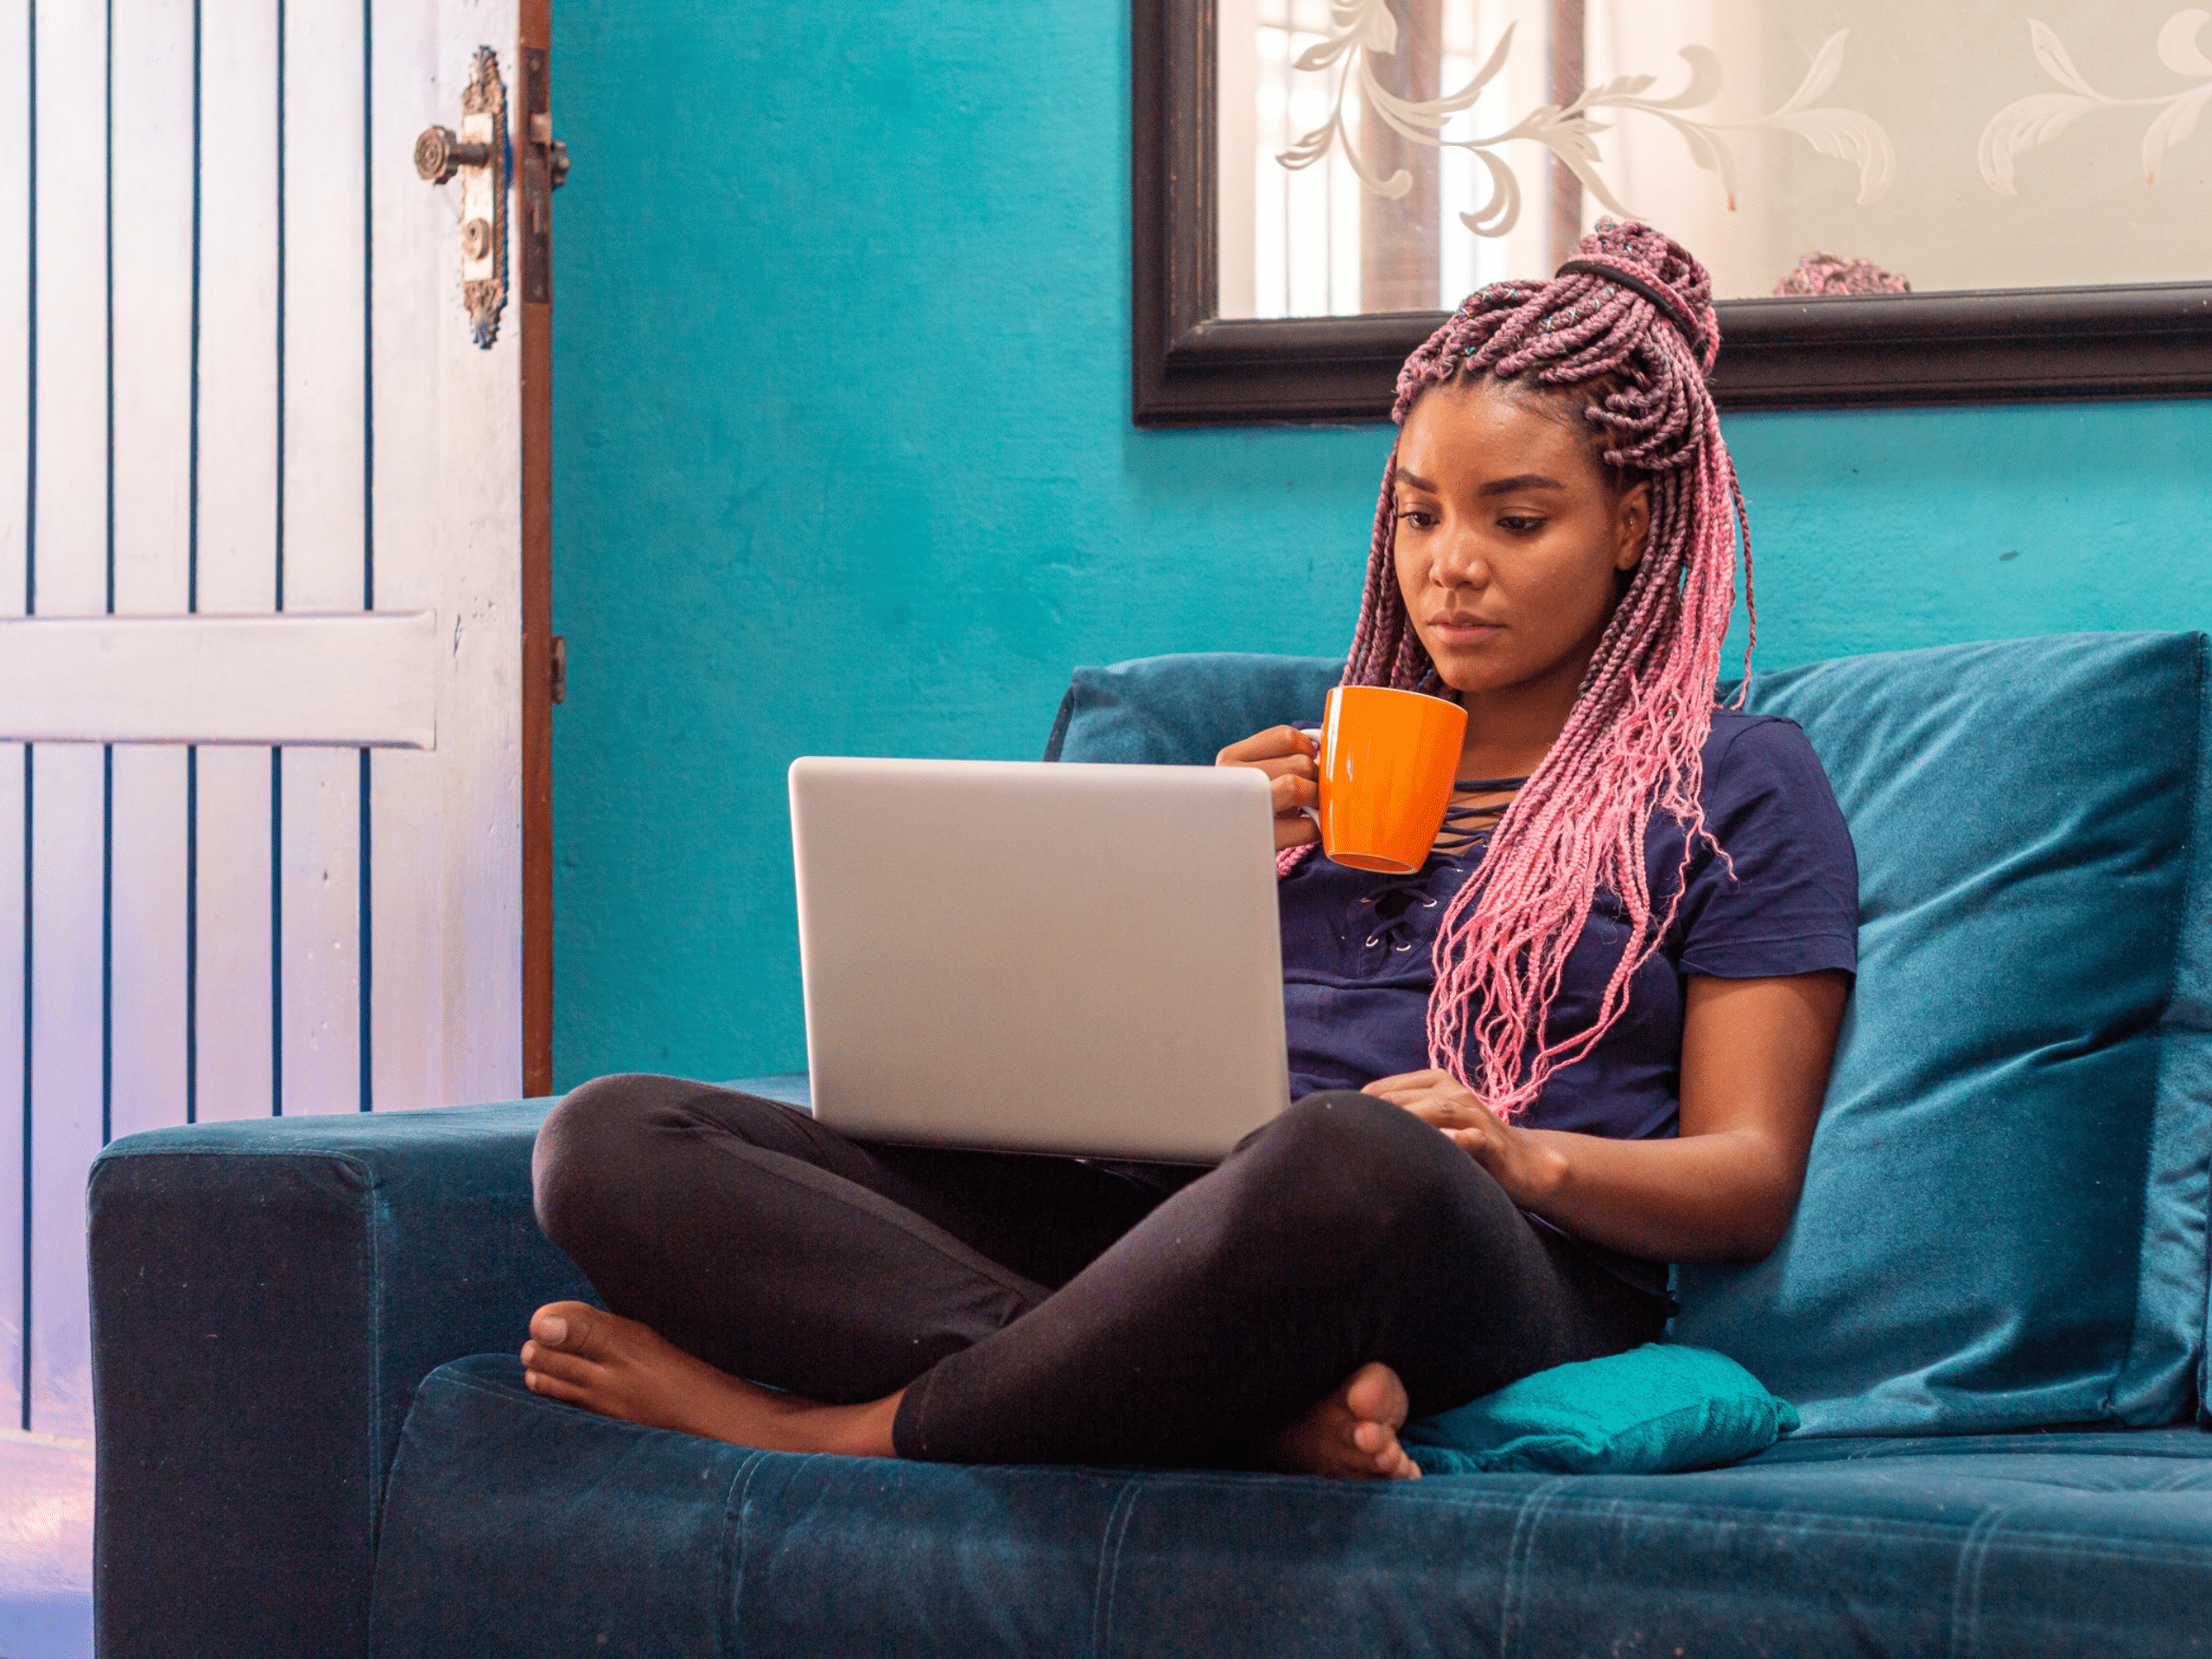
(1352, 1434)
(583, 1356)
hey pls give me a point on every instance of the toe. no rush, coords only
(551, 1361)
(1375, 1395)
(564, 1326)
(553, 1387)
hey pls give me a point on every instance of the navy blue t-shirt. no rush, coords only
(1357, 946)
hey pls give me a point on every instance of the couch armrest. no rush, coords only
(266, 1296)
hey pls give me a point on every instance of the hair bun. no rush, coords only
(1666, 264)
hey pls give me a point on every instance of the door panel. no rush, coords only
(325, 545)
(325, 332)
(15, 1093)
(151, 458)
(234, 554)
(321, 1025)
(346, 679)
(235, 549)
(232, 1034)
(65, 823)
(446, 840)
(152, 313)
(66, 820)
(147, 964)
(237, 381)
(15, 477)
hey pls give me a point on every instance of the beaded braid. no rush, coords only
(1632, 743)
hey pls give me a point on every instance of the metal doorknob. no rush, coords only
(439, 154)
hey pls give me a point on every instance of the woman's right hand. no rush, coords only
(1291, 760)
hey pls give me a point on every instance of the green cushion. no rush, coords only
(1650, 1411)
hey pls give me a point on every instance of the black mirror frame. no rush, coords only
(1193, 368)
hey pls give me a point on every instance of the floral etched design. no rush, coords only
(2041, 116)
(1362, 29)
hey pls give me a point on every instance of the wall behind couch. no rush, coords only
(844, 464)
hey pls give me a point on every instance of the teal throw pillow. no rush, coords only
(1183, 710)
(1650, 1411)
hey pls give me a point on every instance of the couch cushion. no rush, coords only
(516, 1526)
(2003, 1223)
(1186, 710)
(266, 1293)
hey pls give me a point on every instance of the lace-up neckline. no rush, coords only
(1396, 898)
(1470, 824)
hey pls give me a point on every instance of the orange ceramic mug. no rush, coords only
(1388, 762)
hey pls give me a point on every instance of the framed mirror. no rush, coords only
(1900, 203)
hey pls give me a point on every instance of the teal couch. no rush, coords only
(1990, 1312)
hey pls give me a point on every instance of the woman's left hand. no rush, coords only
(1439, 1098)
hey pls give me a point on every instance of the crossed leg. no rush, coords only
(1346, 1265)
(584, 1357)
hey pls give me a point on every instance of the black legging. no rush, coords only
(1044, 1309)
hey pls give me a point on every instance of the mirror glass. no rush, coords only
(1381, 156)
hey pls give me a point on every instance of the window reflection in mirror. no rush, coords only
(1379, 156)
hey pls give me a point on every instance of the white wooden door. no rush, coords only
(261, 723)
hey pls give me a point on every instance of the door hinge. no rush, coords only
(560, 668)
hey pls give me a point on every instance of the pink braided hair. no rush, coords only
(1633, 744)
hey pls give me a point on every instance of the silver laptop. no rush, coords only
(1037, 958)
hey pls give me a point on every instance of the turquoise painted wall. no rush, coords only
(844, 464)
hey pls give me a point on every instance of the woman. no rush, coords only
(1588, 1038)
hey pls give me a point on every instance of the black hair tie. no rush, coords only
(1671, 308)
